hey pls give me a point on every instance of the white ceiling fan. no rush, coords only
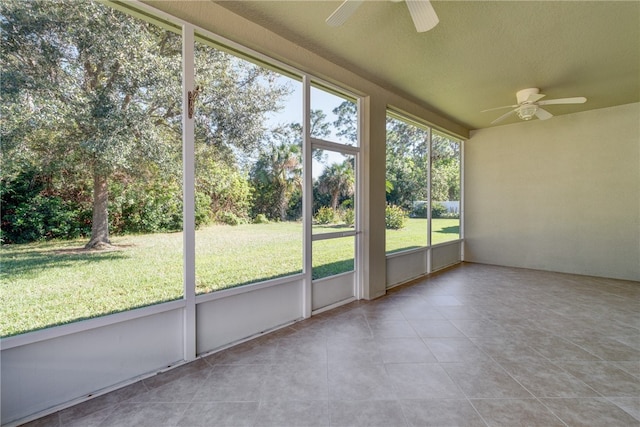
(529, 105)
(421, 11)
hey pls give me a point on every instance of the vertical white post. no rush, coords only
(461, 202)
(307, 200)
(430, 193)
(188, 189)
(359, 206)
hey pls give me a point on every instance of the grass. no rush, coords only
(50, 283)
(414, 234)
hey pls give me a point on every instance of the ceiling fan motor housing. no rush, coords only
(523, 95)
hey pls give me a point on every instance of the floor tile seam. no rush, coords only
(59, 423)
(456, 383)
(261, 406)
(405, 417)
(427, 320)
(599, 394)
(184, 413)
(551, 411)
(614, 403)
(505, 372)
(561, 369)
(109, 408)
(396, 401)
(477, 412)
(585, 349)
(103, 422)
(566, 398)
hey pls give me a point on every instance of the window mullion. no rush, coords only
(307, 197)
(188, 165)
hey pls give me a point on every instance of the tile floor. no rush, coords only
(476, 345)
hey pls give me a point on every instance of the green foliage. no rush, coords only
(261, 219)
(145, 206)
(419, 209)
(337, 179)
(438, 210)
(202, 209)
(277, 176)
(407, 163)
(347, 121)
(229, 218)
(349, 216)
(294, 210)
(31, 213)
(325, 215)
(394, 217)
(226, 189)
(88, 91)
(450, 215)
(445, 169)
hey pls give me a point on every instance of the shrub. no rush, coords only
(349, 217)
(261, 219)
(450, 215)
(325, 215)
(394, 217)
(31, 213)
(229, 218)
(419, 209)
(203, 209)
(438, 210)
(144, 206)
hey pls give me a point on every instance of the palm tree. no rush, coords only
(277, 175)
(287, 174)
(337, 180)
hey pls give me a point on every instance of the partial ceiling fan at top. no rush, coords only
(421, 11)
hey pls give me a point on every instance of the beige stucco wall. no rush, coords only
(560, 195)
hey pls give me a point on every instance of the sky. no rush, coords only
(292, 113)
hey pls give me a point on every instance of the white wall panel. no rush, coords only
(48, 373)
(445, 255)
(226, 320)
(332, 290)
(406, 266)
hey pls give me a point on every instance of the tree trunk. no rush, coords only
(283, 204)
(334, 200)
(100, 220)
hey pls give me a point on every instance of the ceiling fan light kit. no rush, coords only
(526, 112)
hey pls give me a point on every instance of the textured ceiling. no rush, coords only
(480, 53)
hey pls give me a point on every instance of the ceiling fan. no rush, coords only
(421, 11)
(529, 105)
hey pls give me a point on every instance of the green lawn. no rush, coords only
(414, 234)
(50, 283)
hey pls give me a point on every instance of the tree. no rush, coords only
(445, 168)
(92, 93)
(98, 90)
(347, 121)
(278, 172)
(407, 163)
(338, 179)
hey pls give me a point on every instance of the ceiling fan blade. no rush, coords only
(423, 15)
(502, 117)
(499, 108)
(343, 12)
(543, 114)
(535, 97)
(575, 100)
